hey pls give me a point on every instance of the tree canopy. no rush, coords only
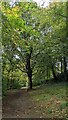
(34, 43)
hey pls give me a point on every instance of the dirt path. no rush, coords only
(18, 104)
(48, 101)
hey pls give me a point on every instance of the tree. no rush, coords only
(21, 43)
(33, 39)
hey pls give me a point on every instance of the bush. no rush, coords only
(4, 86)
(16, 84)
(38, 82)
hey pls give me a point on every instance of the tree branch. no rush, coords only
(61, 15)
(21, 69)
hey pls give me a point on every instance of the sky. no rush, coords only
(39, 2)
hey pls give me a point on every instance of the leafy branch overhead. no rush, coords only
(34, 40)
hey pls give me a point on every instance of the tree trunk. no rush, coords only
(11, 83)
(30, 79)
(54, 75)
(61, 65)
(28, 68)
(7, 83)
(47, 72)
(65, 70)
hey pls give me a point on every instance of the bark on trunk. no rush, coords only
(65, 70)
(61, 65)
(28, 68)
(47, 72)
(30, 79)
(54, 75)
(7, 83)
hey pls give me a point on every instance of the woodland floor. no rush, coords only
(46, 101)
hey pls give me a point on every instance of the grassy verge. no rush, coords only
(51, 100)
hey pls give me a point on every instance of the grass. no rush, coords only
(45, 101)
(50, 99)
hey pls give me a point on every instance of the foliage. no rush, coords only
(26, 26)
